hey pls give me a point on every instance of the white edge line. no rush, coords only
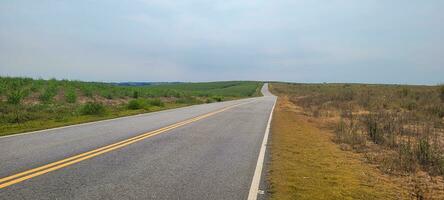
(254, 188)
(112, 119)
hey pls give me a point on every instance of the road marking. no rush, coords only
(254, 188)
(17, 178)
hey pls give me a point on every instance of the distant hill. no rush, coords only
(144, 83)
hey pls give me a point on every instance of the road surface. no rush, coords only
(205, 151)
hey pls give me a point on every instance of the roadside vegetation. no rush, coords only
(306, 164)
(28, 104)
(399, 129)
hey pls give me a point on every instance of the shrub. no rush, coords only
(424, 151)
(441, 93)
(134, 104)
(71, 96)
(109, 96)
(87, 92)
(16, 97)
(218, 98)
(135, 94)
(156, 102)
(92, 108)
(48, 94)
(17, 116)
(406, 160)
(187, 100)
(374, 132)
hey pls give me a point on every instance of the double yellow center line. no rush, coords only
(17, 178)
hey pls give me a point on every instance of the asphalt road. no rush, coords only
(209, 158)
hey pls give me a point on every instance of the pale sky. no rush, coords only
(372, 41)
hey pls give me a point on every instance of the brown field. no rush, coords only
(322, 149)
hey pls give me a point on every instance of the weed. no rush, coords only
(71, 96)
(135, 94)
(92, 108)
(48, 95)
(134, 104)
(15, 97)
(441, 93)
(156, 102)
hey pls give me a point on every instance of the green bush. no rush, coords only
(87, 92)
(135, 94)
(156, 102)
(218, 98)
(16, 97)
(92, 108)
(48, 94)
(188, 100)
(71, 96)
(134, 104)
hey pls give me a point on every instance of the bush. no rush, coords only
(135, 94)
(16, 97)
(92, 108)
(218, 98)
(441, 93)
(188, 100)
(156, 102)
(373, 130)
(17, 116)
(48, 94)
(87, 92)
(134, 104)
(71, 96)
(424, 151)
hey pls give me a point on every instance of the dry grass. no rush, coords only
(375, 123)
(306, 164)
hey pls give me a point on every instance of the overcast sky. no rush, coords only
(373, 41)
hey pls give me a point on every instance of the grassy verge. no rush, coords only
(306, 164)
(399, 129)
(27, 104)
(40, 124)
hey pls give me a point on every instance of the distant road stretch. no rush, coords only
(205, 151)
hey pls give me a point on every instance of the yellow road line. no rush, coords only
(16, 178)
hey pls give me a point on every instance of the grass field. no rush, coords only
(306, 164)
(27, 104)
(398, 129)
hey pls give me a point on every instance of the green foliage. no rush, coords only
(218, 98)
(135, 94)
(135, 104)
(71, 96)
(188, 100)
(87, 92)
(48, 94)
(15, 97)
(92, 108)
(47, 109)
(156, 102)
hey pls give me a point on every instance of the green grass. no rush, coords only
(27, 104)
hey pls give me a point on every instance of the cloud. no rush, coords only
(196, 40)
